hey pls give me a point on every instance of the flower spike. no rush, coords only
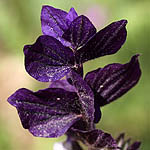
(72, 105)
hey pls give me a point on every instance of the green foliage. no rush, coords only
(5, 141)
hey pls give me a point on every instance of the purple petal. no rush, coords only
(72, 14)
(79, 32)
(48, 112)
(85, 94)
(63, 84)
(53, 23)
(107, 41)
(54, 127)
(135, 146)
(90, 78)
(47, 59)
(114, 80)
(95, 138)
(97, 113)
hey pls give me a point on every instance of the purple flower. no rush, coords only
(48, 112)
(72, 106)
(50, 59)
(41, 112)
(107, 84)
(52, 111)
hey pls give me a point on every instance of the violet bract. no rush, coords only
(72, 106)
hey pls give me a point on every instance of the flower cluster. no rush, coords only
(72, 105)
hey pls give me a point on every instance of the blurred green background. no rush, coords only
(20, 25)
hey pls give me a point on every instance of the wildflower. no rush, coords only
(72, 106)
(49, 60)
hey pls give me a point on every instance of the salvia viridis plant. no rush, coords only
(72, 105)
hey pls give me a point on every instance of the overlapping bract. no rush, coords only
(72, 105)
(79, 32)
(49, 54)
(52, 111)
